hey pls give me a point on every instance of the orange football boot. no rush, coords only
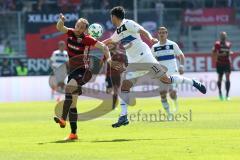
(71, 137)
(62, 122)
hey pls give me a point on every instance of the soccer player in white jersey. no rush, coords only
(166, 52)
(139, 55)
(58, 58)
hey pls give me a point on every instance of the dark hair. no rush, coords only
(118, 11)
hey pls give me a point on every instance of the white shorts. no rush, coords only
(146, 66)
(60, 73)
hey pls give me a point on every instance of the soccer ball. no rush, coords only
(95, 30)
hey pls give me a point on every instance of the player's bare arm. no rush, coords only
(146, 34)
(181, 59)
(214, 55)
(60, 24)
(105, 50)
(107, 41)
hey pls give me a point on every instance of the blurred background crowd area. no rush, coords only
(77, 5)
(188, 21)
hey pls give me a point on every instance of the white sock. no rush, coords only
(175, 104)
(177, 79)
(123, 108)
(166, 106)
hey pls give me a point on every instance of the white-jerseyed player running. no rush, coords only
(166, 52)
(57, 60)
(139, 55)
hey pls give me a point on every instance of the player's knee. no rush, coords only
(109, 90)
(220, 76)
(173, 94)
(69, 89)
(165, 79)
(78, 90)
(126, 85)
(163, 95)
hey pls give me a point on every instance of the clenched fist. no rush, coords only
(61, 16)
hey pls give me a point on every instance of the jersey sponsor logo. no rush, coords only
(121, 29)
(165, 47)
(73, 47)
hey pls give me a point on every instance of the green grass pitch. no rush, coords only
(27, 132)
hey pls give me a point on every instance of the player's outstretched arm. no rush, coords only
(107, 41)
(60, 24)
(181, 59)
(146, 34)
(180, 56)
(105, 50)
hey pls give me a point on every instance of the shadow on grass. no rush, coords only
(59, 141)
(95, 141)
(112, 140)
(121, 140)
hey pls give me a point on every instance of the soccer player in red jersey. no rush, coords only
(78, 45)
(113, 76)
(221, 56)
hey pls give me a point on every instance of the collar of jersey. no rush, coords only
(164, 43)
(122, 22)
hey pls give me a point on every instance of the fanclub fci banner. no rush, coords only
(211, 16)
(203, 62)
(41, 34)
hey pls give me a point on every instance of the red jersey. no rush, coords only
(223, 50)
(119, 57)
(78, 49)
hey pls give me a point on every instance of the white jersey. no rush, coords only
(128, 35)
(166, 55)
(58, 58)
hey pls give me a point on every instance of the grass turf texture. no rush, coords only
(28, 132)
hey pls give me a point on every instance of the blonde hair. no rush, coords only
(85, 21)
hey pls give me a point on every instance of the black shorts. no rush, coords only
(113, 81)
(221, 69)
(81, 75)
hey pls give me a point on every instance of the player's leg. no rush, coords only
(157, 71)
(227, 85)
(71, 87)
(70, 91)
(116, 80)
(109, 84)
(125, 98)
(164, 101)
(115, 96)
(111, 88)
(178, 79)
(73, 117)
(219, 81)
(173, 96)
